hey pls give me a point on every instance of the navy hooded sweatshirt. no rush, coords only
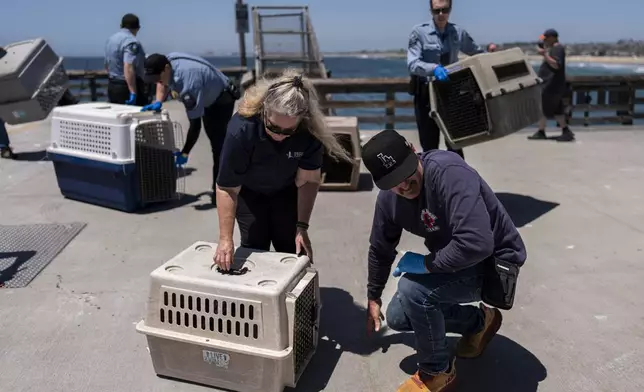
(458, 214)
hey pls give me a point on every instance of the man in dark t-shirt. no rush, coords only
(553, 73)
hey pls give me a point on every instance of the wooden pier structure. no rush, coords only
(592, 100)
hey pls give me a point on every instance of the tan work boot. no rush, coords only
(471, 346)
(425, 383)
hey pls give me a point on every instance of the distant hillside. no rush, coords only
(621, 48)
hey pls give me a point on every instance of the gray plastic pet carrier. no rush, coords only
(487, 96)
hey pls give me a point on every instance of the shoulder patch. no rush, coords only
(413, 38)
(189, 101)
(134, 47)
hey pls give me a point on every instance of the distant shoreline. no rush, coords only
(572, 59)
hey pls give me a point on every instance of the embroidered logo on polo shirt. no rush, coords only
(295, 155)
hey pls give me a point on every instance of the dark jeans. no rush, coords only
(4, 136)
(428, 131)
(265, 219)
(215, 122)
(118, 92)
(428, 305)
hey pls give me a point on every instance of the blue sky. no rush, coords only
(77, 27)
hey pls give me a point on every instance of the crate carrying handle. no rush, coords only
(165, 115)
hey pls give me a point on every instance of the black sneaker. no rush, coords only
(6, 153)
(566, 136)
(539, 135)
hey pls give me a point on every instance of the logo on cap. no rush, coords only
(387, 161)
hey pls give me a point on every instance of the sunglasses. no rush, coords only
(438, 11)
(277, 129)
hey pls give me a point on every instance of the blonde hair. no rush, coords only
(293, 96)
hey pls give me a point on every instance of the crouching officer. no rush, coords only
(433, 45)
(206, 93)
(270, 168)
(475, 252)
(124, 58)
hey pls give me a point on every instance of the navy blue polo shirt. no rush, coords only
(252, 159)
(458, 215)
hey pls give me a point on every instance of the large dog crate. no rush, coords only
(115, 155)
(254, 329)
(487, 96)
(32, 81)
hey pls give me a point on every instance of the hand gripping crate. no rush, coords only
(342, 175)
(32, 81)
(253, 330)
(487, 96)
(115, 155)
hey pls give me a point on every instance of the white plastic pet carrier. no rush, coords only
(32, 81)
(122, 134)
(254, 329)
(487, 96)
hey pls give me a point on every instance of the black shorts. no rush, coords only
(552, 105)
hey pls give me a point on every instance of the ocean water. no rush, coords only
(359, 67)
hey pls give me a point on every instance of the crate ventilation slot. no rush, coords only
(211, 314)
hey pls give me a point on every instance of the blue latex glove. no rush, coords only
(412, 263)
(156, 106)
(132, 99)
(180, 159)
(440, 73)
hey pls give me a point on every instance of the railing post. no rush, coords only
(93, 89)
(390, 110)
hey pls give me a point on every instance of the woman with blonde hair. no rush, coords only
(270, 164)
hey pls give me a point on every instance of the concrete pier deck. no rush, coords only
(577, 325)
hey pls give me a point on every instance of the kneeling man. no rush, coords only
(468, 233)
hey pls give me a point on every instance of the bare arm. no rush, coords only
(308, 185)
(130, 77)
(226, 208)
(162, 92)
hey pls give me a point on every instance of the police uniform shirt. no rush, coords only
(458, 215)
(124, 47)
(196, 82)
(428, 47)
(251, 159)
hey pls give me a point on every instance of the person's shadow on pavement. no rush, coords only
(505, 365)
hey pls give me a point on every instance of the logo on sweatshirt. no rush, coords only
(429, 220)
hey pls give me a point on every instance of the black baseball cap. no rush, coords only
(154, 64)
(130, 21)
(390, 159)
(551, 33)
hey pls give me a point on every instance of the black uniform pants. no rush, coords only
(428, 131)
(215, 122)
(265, 219)
(118, 92)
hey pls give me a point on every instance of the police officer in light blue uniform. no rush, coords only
(432, 45)
(206, 93)
(124, 60)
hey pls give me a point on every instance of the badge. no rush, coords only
(189, 101)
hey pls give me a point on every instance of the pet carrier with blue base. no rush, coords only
(487, 96)
(115, 155)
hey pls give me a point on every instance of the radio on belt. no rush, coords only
(487, 96)
(32, 81)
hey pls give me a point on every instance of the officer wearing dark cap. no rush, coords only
(206, 93)
(436, 196)
(124, 57)
(432, 46)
